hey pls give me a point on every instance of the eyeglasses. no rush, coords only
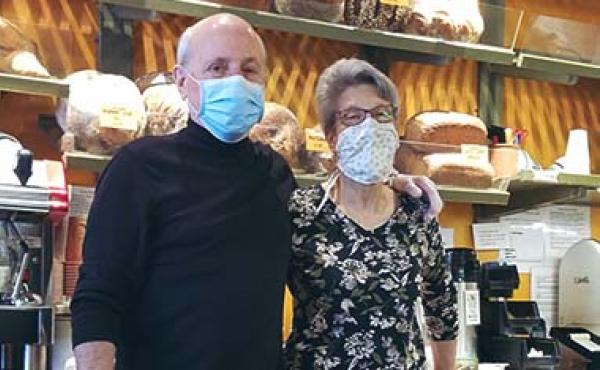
(353, 116)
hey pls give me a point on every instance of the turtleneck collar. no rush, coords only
(200, 136)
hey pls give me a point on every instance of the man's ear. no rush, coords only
(180, 77)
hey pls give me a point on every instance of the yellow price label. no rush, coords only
(316, 143)
(475, 153)
(396, 2)
(120, 118)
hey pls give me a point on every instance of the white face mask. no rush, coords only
(366, 151)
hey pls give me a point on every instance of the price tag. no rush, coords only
(475, 153)
(121, 118)
(316, 143)
(546, 176)
(396, 2)
(472, 307)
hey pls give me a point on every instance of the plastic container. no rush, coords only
(505, 160)
(325, 10)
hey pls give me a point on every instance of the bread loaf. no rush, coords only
(167, 112)
(325, 10)
(103, 111)
(374, 14)
(279, 128)
(445, 128)
(18, 54)
(445, 168)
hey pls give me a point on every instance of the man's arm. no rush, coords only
(444, 354)
(416, 187)
(95, 356)
(112, 251)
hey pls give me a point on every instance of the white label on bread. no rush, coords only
(121, 118)
(316, 143)
(475, 153)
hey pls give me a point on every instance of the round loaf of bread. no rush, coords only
(446, 128)
(279, 128)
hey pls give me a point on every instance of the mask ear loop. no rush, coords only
(329, 184)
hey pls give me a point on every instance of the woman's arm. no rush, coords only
(439, 300)
(444, 354)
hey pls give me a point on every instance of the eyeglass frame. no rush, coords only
(364, 112)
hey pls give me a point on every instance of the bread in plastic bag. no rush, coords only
(103, 111)
(166, 111)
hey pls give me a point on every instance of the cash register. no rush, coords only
(511, 332)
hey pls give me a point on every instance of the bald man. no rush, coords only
(188, 237)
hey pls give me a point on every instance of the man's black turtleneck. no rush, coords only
(185, 255)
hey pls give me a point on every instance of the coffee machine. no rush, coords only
(33, 200)
(512, 332)
(579, 306)
(465, 274)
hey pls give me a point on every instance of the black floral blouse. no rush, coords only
(355, 290)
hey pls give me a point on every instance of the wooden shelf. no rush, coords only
(328, 30)
(97, 163)
(557, 66)
(33, 85)
(86, 161)
(534, 188)
(449, 194)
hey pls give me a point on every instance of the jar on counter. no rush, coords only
(325, 10)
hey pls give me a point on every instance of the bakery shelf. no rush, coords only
(534, 188)
(97, 163)
(86, 161)
(33, 85)
(557, 66)
(449, 194)
(492, 196)
(327, 30)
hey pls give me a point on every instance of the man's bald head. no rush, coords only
(204, 31)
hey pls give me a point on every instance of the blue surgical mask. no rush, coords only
(228, 107)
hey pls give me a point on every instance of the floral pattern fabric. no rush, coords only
(355, 289)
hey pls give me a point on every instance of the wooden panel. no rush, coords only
(548, 111)
(459, 217)
(427, 87)
(64, 31)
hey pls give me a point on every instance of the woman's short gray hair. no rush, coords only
(343, 74)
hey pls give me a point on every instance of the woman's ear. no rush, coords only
(331, 138)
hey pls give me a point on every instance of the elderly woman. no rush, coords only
(363, 255)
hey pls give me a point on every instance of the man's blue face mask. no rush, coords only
(228, 107)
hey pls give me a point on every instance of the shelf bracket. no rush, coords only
(115, 39)
(491, 85)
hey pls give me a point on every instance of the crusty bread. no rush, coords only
(445, 128)
(445, 168)
(18, 54)
(280, 129)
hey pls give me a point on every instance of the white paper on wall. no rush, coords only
(490, 236)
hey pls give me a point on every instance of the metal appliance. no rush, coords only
(579, 306)
(33, 199)
(512, 332)
(465, 274)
